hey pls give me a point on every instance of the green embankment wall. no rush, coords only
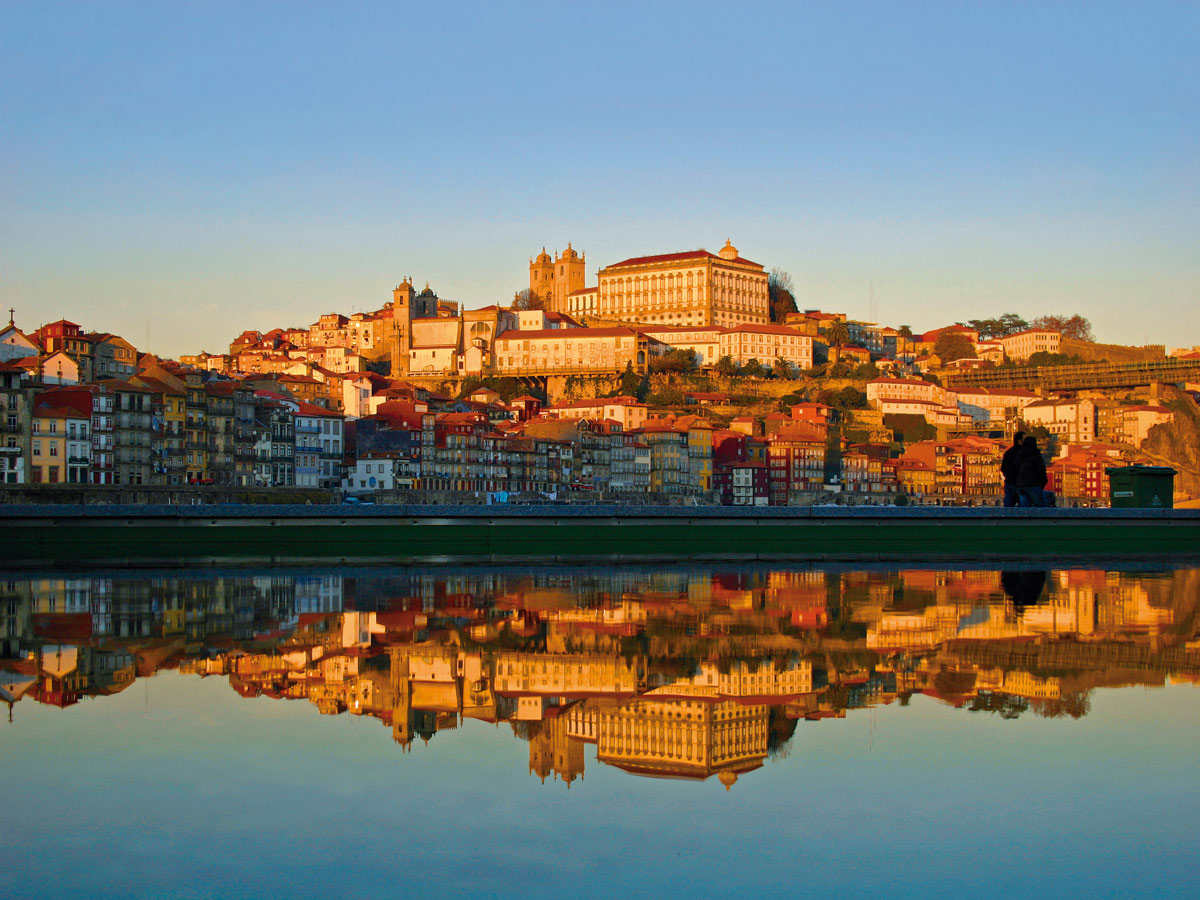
(408, 541)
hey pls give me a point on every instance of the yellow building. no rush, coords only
(554, 280)
(573, 351)
(693, 288)
(1024, 344)
(61, 444)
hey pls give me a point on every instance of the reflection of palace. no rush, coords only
(676, 673)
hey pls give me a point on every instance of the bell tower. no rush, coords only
(570, 271)
(402, 316)
(541, 276)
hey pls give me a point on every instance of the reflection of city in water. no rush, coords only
(681, 673)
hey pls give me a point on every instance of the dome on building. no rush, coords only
(728, 251)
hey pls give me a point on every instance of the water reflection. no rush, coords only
(678, 673)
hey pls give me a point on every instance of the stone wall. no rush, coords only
(108, 494)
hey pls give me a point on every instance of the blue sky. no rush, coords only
(190, 170)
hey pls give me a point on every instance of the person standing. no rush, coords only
(1031, 474)
(1009, 463)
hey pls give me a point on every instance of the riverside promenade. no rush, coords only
(64, 536)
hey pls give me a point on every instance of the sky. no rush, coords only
(177, 173)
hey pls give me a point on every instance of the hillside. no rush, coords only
(1113, 353)
(1178, 444)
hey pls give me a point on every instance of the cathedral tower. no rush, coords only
(570, 271)
(553, 280)
(402, 316)
(541, 276)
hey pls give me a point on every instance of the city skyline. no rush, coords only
(181, 176)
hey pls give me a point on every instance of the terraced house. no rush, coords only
(62, 443)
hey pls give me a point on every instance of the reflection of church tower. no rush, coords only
(552, 750)
(402, 730)
(402, 316)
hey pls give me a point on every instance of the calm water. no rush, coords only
(616, 732)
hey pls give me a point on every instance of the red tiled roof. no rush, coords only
(309, 409)
(119, 384)
(769, 329)
(885, 380)
(598, 401)
(678, 257)
(573, 333)
(679, 329)
(46, 411)
(1030, 331)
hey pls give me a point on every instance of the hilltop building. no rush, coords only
(693, 288)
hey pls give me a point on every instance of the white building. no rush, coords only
(1073, 421)
(767, 343)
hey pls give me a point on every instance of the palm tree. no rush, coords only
(836, 335)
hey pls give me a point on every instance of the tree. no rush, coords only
(781, 294)
(630, 382)
(865, 371)
(952, 345)
(667, 395)
(528, 299)
(754, 369)
(682, 360)
(1075, 327)
(837, 334)
(726, 366)
(1009, 323)
(781, 368)
(1043, 358)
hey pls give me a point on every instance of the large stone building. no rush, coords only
(693, 288)
(573, 351)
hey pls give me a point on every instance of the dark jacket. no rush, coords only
(1031, 470)
(1009, 463)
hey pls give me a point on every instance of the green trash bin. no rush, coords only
(1141, 487)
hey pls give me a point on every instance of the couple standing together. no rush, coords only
(1024, 472)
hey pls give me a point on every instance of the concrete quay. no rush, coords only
(38, 536)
